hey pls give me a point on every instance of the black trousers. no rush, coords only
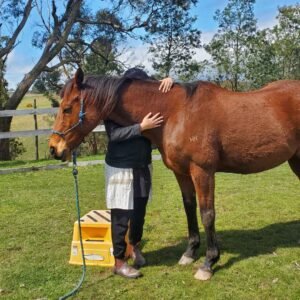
(122, 220)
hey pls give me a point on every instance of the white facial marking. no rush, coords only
(61, 146)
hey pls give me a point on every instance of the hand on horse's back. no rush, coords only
(165, 84)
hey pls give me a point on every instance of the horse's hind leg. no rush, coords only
(294, 163)
(190, 206)
(204, 182)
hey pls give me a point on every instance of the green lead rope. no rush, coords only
(75, 173)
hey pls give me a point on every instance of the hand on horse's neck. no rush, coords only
(125, 119)
(139, 99)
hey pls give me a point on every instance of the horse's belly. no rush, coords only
(255, 158)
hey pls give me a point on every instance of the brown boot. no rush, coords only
(137, 256)
(123, 269)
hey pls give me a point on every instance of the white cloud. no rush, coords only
(139, 55)
(17, 66)
(268, 23)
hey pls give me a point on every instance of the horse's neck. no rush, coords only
(139, 100)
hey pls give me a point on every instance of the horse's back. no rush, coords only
(261, 129)
(241, 132)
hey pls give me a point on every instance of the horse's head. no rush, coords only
(75, 119)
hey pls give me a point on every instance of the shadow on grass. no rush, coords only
(245, 243)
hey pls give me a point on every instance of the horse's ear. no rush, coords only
(79, 75)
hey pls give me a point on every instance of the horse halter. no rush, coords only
(80, 121)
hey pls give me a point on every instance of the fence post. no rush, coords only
(36, 128)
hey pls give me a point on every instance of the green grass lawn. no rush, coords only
(20, 123)
(258, 226)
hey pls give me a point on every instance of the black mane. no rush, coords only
(190, 87)
(104, 91)
(101, 91)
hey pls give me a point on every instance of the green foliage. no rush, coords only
(173, 40)
(275, 52)
(16, 148)
(248, 58)
(11, 11)
(103, 59)
(95, 143)
(229, 48)
(3, 86)
(287, 42)
(48, 83)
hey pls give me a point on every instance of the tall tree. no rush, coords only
(275, 52)
(287, 41)
(261, 60)
(229, 47)
(64, 33)
(173, 40)
(12, 21)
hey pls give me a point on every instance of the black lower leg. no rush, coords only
(119, 227)
(190, 207)
(212, 252)
(137, 220)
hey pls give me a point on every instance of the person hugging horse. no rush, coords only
(128, 182)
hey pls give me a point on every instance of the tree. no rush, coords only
(106, 63)
(49, 84)
(14, 16)
(261, 60)
(173, 40)
(287, 41)
(230, 46)
(275, 52)
(64, 33)
(103, 54)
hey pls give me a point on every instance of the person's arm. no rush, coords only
(118, 133)
(166, 84)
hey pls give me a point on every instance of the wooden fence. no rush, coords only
(33, 112)
(27, 133)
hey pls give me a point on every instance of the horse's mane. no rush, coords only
(190, 87)
(104, 91)
(101, 91)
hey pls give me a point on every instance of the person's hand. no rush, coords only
(151, 121)
(166, 84)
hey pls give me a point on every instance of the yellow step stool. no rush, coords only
(96, 238)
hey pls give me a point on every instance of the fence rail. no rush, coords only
(24, 112)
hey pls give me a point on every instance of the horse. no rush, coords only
(206, 129)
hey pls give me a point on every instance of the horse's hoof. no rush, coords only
(203, 274)
(185, 260)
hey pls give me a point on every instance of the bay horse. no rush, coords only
(206, 129)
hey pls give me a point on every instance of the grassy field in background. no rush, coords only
(27, 123)
(258, 226)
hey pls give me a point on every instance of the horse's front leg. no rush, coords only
(190, 206)
(204, 181)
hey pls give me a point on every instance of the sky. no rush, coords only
(24, 56)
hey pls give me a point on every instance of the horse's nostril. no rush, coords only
(52, 151)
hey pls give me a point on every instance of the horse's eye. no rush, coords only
(67, 110)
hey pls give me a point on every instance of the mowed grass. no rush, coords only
(258, 226)
(20, 123)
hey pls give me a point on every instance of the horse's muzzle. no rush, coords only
(63, 156)
(52, 151)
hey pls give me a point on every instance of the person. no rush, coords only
(128, 182)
